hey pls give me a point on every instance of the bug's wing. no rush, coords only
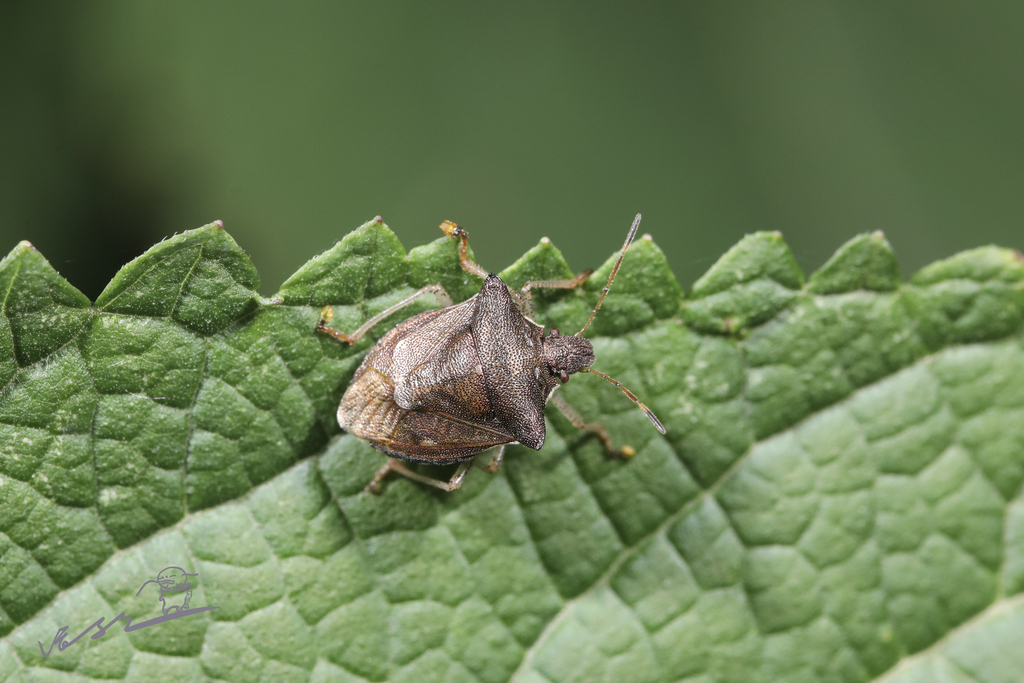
(450, 381)
(429, 436)
(508, 346)
(417, 340)
(433, 364)
(368, 410)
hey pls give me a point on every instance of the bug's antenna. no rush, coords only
(647, 411)
(622, 254)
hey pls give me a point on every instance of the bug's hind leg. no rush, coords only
(468, 264)
(327, 314)
(499, 455)
(395, 465)
(595, 427)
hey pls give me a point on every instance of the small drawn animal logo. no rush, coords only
(175, 593)
(175, 590)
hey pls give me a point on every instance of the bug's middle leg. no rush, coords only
(595, 427)
(499, 455)
(396, 465)
(327, 314)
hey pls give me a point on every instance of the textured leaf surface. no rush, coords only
(838, 496)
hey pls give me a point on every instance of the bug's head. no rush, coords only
(566, 354)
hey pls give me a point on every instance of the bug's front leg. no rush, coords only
(595, 427)
(468, 264)
(327, 314)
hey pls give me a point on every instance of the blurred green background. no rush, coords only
(124, 122)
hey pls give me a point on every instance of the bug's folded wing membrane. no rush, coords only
(368, 409)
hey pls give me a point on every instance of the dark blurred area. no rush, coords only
(124, 122)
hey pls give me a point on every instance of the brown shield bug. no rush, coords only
(448, 384)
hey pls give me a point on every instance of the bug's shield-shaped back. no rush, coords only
(508, 346)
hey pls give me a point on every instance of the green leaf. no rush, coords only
(838, 496)
(750, 284)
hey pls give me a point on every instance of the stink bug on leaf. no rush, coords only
(446, 385)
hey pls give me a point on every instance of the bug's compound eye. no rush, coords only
(554, 331)
(563, 376)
